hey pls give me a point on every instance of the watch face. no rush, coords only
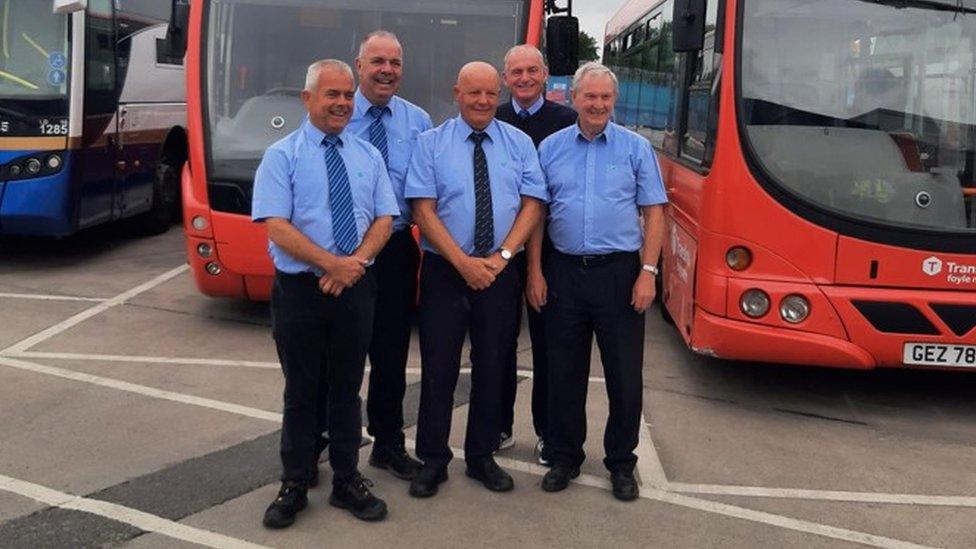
(506, 255)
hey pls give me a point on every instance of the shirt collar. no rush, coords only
(533, 108)
(464, 130)
(361, 105)
(604, 135)
(315, 135)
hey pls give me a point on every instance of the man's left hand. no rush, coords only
(644, 291)
(495, 263)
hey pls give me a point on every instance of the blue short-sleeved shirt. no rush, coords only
(597, 187)
(442, 167)
(292, 183)
(403, 122)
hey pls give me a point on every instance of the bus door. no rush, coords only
(100, 143)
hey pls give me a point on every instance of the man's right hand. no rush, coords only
(346, 270)
(536, 290)
(476, 271)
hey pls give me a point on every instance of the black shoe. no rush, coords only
(624, 486)
(354, 496)
(291, 499)
(426, 482)
(558, 477)
(396, 461)
(491, 475)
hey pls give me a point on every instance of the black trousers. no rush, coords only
(448, 311)
(395, 271)
(588, 299)
(540, 369)
(322, 343)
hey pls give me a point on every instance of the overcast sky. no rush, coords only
(593, 16)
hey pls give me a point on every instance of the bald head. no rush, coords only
(476, 93)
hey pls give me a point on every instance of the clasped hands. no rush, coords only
(480, 272)
(343, 272)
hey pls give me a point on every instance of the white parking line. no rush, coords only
(823, 495)
(72, 321)
(139, 519)
(147, 359)
(142, 389)
(648, 463)
(50, 297)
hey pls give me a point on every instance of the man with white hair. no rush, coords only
(606, 223)
(392, 125)
(325, 197)
(525, 77)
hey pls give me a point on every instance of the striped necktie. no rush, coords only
(523, 114)
(484, 222)
(377, 133)
(340, 197)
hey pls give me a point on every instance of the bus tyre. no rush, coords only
(165, 200)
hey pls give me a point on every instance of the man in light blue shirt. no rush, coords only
(392, 125)
(326, 200)
(606, 224)
(477, 192)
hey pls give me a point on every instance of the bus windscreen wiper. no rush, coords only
(952, 6)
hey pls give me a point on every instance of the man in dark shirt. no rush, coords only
(525, 76)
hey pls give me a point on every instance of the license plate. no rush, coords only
(935, 354)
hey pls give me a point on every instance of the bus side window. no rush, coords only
(697, 141)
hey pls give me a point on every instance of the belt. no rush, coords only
(593, 260)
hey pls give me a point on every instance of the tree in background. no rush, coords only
(587, 48)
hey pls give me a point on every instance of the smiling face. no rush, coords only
(380, 69)
(329, 103)
(525, 76)
(594, 99)
(476, 93)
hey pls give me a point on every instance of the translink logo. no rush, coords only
(932, 266)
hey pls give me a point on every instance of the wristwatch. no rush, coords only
(651, 269)
(506, 254)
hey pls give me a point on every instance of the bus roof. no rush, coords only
(630, 12)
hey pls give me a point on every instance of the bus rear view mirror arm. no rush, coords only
(69, 6)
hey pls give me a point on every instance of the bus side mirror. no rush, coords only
(172, 49)
(62, 7)
(562, 44)
(689, 25)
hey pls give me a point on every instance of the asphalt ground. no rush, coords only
(137, 412)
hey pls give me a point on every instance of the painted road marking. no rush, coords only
(147, 359)
(823, 495)
(51, 297)
(141, 520)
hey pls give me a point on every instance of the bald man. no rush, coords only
(476, 191)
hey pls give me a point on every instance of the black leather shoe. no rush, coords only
(491, 475)
(396, 461)
(558, 477)
(354, 496)
(426, 482)
(624, 486)
(291, 499)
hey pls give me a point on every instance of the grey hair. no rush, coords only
(315, 69)
(593, 69)
(529, 48)
(378, 34)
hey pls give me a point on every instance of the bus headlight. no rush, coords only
(205, 250)
(738, 258)
(213, 268)
(54, 162)
(33, 166)
(754, 303)
(14, 170)
(199, 223)
(794, 308)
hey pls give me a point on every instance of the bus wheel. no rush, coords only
(165, 200)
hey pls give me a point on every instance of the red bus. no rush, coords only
(245, 65)
(819, 158)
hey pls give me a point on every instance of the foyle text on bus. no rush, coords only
(246, 63)
(819, 158)
(92, 115)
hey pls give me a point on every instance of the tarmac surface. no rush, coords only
(139, 413)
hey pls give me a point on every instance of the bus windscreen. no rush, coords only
(865, 109)
(257, 54)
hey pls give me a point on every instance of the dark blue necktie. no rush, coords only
(484, 222)
(340, 197)
(523, 114)
(377, 133)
